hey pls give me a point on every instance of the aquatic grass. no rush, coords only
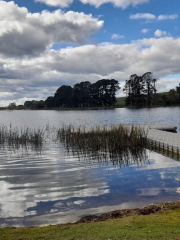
(109, 139)
(119, 145)
(118, 158)
(13, 136)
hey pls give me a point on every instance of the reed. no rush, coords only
(113, 139)
(14, 136)
(117, 158)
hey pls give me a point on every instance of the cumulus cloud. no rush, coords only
(96, 3)
(30, 69)
(147, 16)
(159, 33)
(24, 33)
(167, 17)
(117, 36)
(40, 76)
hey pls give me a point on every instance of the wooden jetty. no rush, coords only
(164, 138)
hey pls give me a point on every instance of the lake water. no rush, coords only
(51, 185)
(165, 116)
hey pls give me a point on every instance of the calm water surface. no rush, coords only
(165, 116)
(51, 185)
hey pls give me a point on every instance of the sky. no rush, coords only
(45, 44)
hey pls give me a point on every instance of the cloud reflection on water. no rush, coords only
(54, 186)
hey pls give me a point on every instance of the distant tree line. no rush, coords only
(34, 104)
(141, 92)
(99, 94)
(168, 99)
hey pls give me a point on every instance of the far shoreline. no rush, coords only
(88, 108)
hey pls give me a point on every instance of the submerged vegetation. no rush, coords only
(20, 137)
(111, 139)
(120, 145)
(118, 158)
(117, 145)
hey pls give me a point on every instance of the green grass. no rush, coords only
(120, 102)
(164, 225)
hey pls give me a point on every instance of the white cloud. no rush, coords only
(39, 77)
(23, 33)
(117, 36)
(145, 30)
(159, 33)
(147, 16)
(149, 191)
(167, 17)
(57, 3)
(29, 69)
(96, 3)
(166, 84)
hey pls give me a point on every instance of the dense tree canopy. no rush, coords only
(62, 96)
(139, 90)
(83, 94)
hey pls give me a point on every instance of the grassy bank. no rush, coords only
(162, 225)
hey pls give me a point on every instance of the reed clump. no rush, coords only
(111, 139)
(117, 158)
(14, 136)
